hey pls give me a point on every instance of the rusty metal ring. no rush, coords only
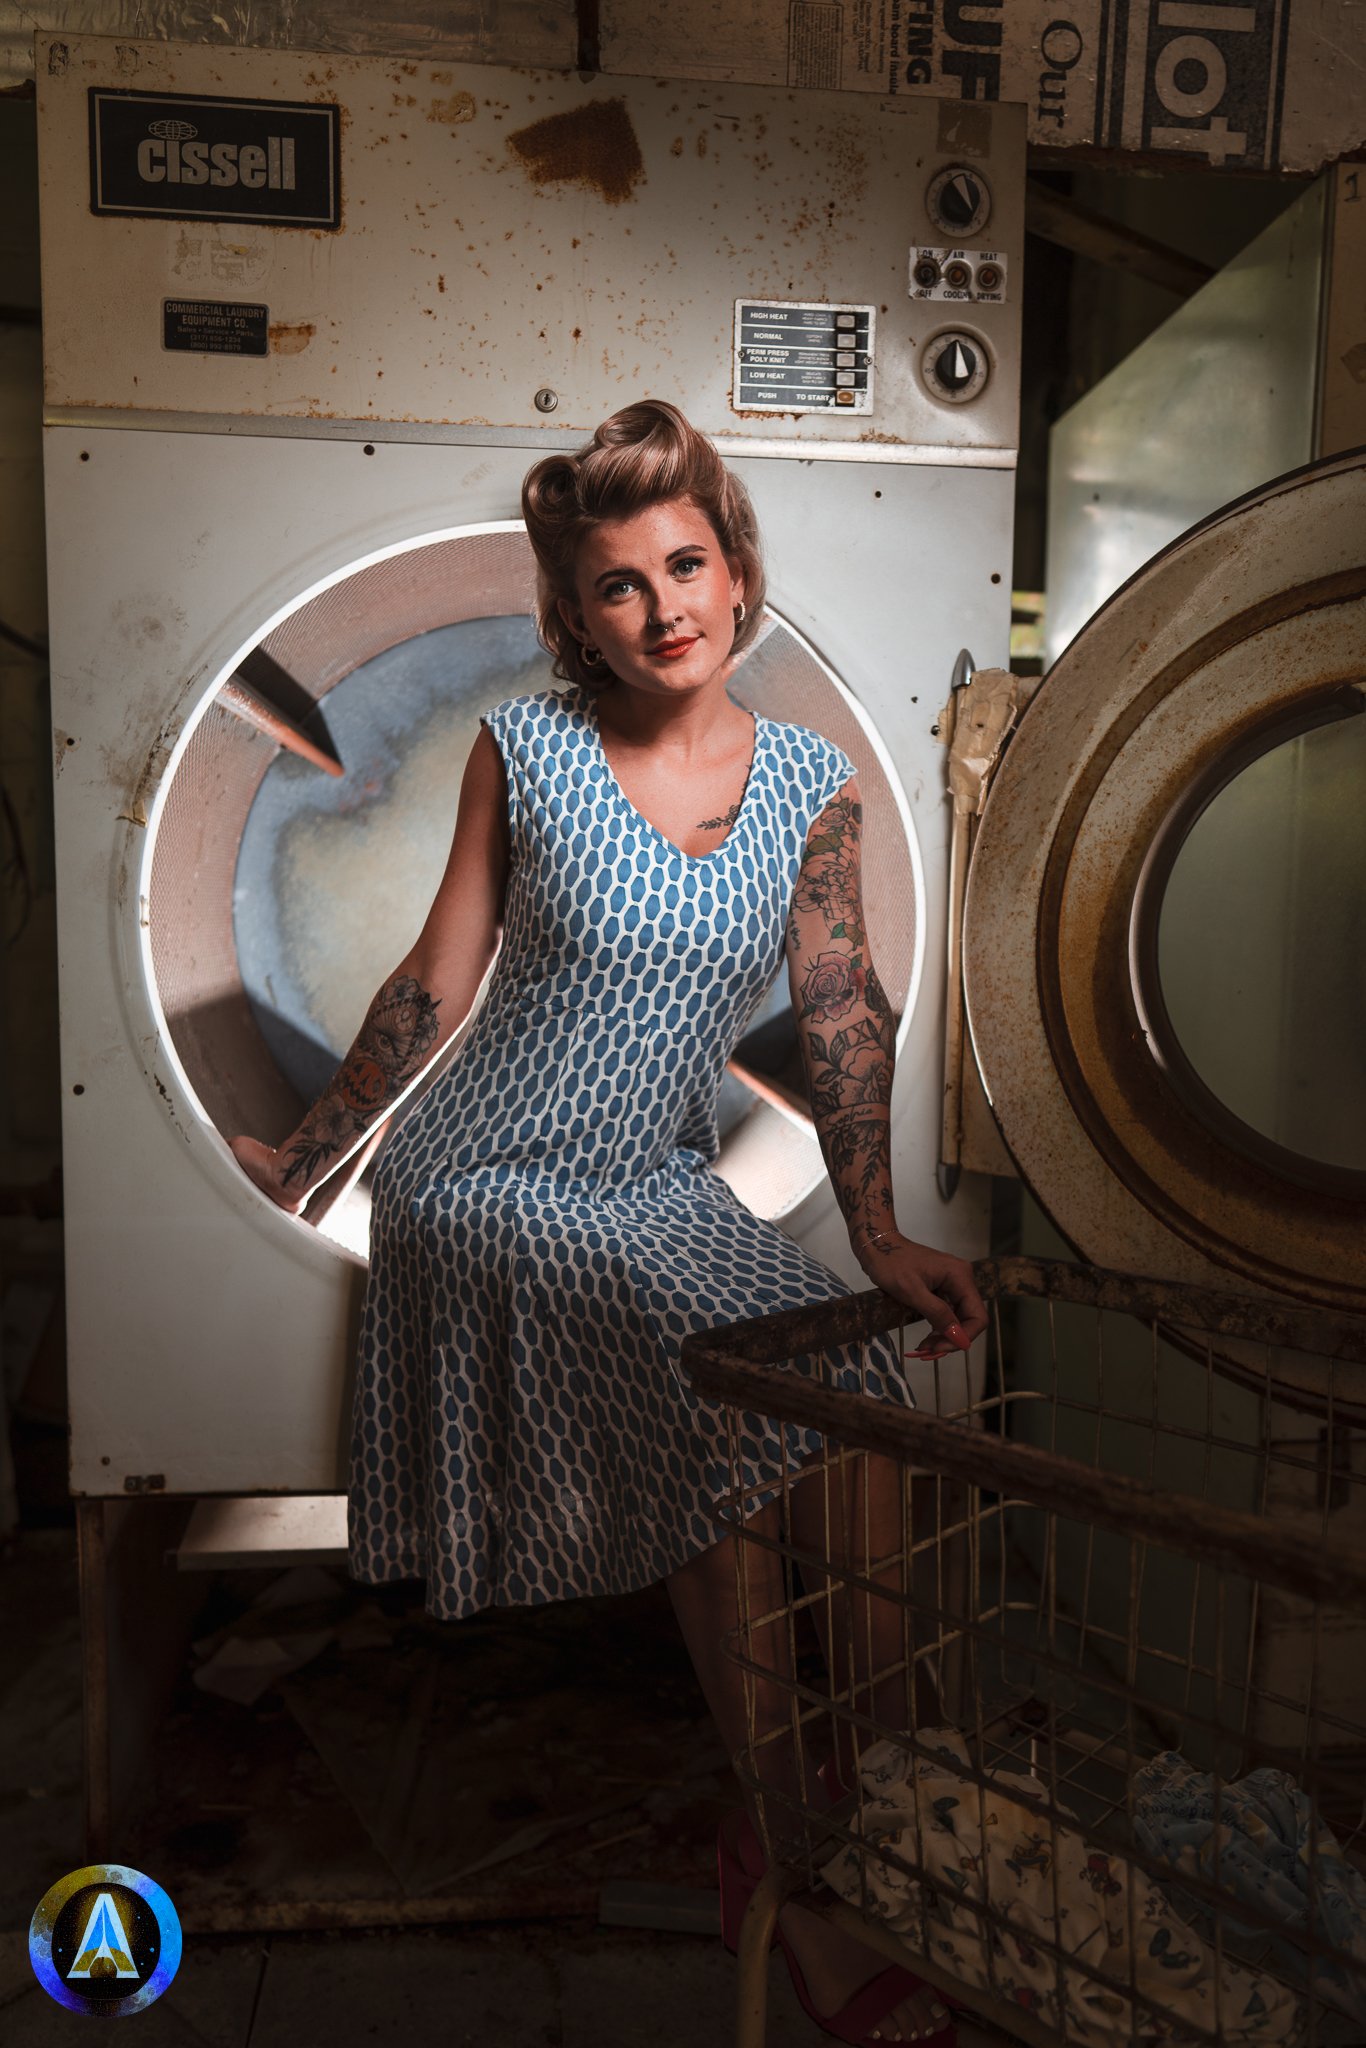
(1254, 617)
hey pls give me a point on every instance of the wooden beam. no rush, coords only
(1056, 218)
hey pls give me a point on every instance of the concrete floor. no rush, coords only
(489, 1988)
(480, 1988)
(557, 1984)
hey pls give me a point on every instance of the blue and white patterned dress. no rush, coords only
(546, 1227)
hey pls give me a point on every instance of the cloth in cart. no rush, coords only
(977, 1844)
(1271, 1850)
(546, 1227)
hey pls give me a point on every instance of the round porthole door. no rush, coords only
(1165, 923)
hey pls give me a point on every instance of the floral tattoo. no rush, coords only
(399, 1031)
(849, 1069)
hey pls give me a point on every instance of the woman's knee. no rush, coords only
(854, 1518)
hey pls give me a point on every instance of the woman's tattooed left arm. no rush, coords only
(845, 1025)
(399, 1031)
(847, 1034)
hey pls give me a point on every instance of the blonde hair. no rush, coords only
(644, 454)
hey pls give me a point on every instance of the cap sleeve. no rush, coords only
(506, 722)
(833, 770)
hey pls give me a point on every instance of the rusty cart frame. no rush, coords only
(1132, 1559)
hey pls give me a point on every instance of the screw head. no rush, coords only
(546, 400)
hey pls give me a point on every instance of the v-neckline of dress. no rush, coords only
(741, 816)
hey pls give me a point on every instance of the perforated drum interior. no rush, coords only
(280, 897)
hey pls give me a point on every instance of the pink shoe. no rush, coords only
(740, 1862)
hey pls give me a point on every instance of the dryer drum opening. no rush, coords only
(279, 896)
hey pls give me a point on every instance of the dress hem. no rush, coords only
(401, 1570)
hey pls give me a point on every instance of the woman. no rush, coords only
(546, 1225)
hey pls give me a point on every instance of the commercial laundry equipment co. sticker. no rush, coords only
(795, 355)
(177, 156)
(215, 327)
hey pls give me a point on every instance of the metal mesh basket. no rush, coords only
(1062, 1693)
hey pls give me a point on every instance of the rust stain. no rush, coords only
(291, 341)
(150, 773)
(594, 146)
(841, 148)
(459, 107)
(440, 282)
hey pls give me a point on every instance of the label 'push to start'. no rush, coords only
(173, 156)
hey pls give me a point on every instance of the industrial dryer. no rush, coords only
(307, 325)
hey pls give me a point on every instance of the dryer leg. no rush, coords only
(137, 1617)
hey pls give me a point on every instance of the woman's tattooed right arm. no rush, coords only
(393, 1046)
(424, 1002)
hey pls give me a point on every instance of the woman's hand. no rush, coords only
(935, 1284)
(261, 1164)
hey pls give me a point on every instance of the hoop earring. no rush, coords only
(741, 620)
(590, 656)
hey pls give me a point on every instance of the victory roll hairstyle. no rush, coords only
(644, 454)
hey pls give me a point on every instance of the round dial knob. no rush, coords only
(958, 201)
(954, 367)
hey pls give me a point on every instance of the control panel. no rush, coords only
(528, 250)
(955, 364)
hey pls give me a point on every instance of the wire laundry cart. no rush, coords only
(1065, 1692)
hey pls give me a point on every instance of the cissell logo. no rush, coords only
(169, 154)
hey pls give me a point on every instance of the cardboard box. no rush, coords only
(1250, 84)
(1259, 84)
